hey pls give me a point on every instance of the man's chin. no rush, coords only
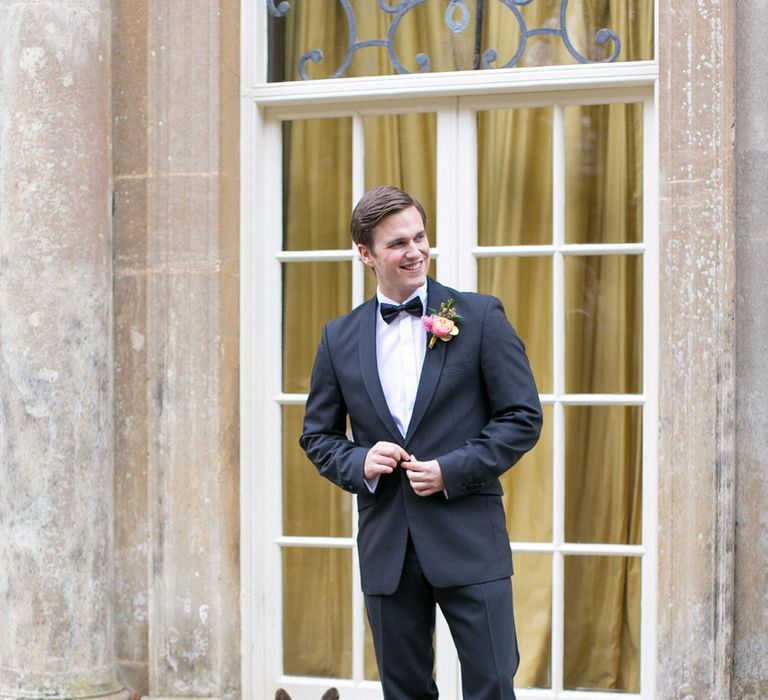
(417, 281)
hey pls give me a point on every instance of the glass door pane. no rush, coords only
(604, 173)
(532, 584)
(317, 612)
(602, 623)
(604, 324)
(603, 474)
(514, 177)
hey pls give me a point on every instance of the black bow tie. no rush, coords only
(389, 312)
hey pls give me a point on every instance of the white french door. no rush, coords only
(452, 106)
(541, 187)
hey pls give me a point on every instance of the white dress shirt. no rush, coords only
(400, 350)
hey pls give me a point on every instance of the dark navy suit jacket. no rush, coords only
(477, 412)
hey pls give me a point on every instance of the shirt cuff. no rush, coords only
(372, 484)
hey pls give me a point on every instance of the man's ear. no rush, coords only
(365, 254)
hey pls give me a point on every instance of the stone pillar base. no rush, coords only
(63, 694)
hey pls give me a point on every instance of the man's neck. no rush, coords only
(421, 292)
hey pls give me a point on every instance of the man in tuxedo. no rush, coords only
(436, 418)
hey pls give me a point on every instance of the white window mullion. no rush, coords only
(558, 419)
(521, 251)
(465, 176)
(596, 549)
(315, 255)
(446, 224)
(648, 601)
(358, 189)
(358, 294)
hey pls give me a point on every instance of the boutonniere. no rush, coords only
(443, 323)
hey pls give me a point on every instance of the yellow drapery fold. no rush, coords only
(603, 325)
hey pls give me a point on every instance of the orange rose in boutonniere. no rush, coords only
(443, 323)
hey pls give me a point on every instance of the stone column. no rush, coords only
(697, 383)
(56, 436)
(192, 321)
(176, 98)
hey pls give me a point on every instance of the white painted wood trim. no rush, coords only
(466, 218)
(651, 339)
(558, 419)
(260, 456)
(342, 255)
(546, 694)
(466, 179)
(315, 542)
(596, 549)
(448, 223)
(595, 399)
(573, 249)
(358, 189)
(456, 83)
(251, 586)
(582, 95)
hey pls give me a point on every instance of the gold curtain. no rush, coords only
(603, 322)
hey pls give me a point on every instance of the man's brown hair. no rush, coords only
(373, 206)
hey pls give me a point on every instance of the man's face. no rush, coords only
(399, 254)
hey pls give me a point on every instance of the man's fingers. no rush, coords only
(383, 458)
(425, 477)
(391, 450)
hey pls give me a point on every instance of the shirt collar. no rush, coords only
(421, 292)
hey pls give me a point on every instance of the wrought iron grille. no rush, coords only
(457, 17)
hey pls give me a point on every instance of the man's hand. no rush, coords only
(383, 458)
(426, 477)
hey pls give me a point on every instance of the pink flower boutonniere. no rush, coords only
(443, 323)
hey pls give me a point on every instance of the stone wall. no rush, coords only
(750, 663)
(696, 350)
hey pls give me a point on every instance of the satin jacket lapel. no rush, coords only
(433, 364)
(370, 370)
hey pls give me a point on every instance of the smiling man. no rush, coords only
(441, 404)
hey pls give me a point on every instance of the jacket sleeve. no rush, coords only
(324, 437)
(515, 422)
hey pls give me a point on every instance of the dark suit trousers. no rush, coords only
(482, 624)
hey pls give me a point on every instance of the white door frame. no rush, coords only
(264, 105)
